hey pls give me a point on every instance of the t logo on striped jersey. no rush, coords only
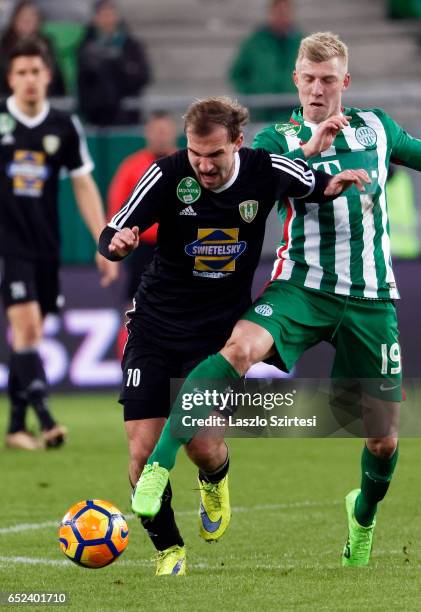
(330, 167)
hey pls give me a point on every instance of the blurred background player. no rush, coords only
(112, 65)
(161, 140)
(36, 142)
(266, 58)
(25, 22)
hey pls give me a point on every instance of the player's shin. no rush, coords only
(18, 401)
(217, 475)
(29, 369)
(376, 476)
(214, 372)
(162, 528)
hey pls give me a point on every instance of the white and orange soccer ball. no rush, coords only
(93, 533)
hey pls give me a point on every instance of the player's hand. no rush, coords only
(344, 180)
(108, 270)
(325, 134)
(125, 241)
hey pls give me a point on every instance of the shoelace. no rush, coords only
(213, 494)
(152, 479)
(163, 554)
(362, 544)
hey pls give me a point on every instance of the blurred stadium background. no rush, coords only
(191, 44)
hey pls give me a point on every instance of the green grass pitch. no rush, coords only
(281, 552)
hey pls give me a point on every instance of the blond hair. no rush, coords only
(203, 115)
(321, 47)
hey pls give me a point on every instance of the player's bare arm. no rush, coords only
(325, 134)
(90, 207)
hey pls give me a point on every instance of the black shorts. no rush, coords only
(25, 280)
(135, 266)
(147, 372)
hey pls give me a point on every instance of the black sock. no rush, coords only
(18, 402)
(217, 475)
(29, 370)
(162, 529)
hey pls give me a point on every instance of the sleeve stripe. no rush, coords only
(119, 223)
(295, 169)
(153, 171)
(83, 149)
(284, 162)
(306, 178)
(82, 171)
(280, 159)
(296, 162)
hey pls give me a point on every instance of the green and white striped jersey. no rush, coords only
(342, 246)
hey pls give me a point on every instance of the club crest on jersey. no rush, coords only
(215, 251)
(188, 190)
(287, 129)
(248, 210)
(265, 310)
(366, 136)
(7, 124)
(51, 144)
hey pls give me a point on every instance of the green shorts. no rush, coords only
(363, 332)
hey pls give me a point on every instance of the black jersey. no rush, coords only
(32, 153)
(209, 241)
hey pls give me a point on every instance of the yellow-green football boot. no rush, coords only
(358, 546)
(215, 509)
(147, 494)
(171, 562)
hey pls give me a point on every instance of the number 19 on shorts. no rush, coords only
(394, 355)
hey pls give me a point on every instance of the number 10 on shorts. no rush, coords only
(394, 354)
(133, 377)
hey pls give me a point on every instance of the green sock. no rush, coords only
(375, 481)
(211, 374)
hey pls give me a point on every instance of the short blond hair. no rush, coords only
(321, 47)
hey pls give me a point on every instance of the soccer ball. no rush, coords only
(93, 533)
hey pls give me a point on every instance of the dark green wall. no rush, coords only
(108, 151)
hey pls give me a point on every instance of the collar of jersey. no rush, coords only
(29, 122)
(233, 178)
(297, 117)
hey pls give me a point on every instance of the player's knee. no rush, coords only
(239, 352)
(383, 448)
(28, 335)
(205, 451)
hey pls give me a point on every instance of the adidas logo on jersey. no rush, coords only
(8, 139)
(188, 211)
